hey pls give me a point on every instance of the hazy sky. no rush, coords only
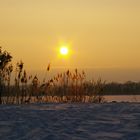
(100, 33)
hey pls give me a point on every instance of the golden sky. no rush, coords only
(99, 33)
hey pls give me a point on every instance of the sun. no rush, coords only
(64, 50)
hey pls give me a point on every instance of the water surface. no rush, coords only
(122, 98)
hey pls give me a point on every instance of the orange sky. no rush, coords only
(99, 33)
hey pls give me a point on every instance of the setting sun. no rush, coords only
(64, 50)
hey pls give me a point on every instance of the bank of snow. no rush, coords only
(110, 121)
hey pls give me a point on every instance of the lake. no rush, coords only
(73, 121)
(122, 98)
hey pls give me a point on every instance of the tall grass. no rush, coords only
(63, 87)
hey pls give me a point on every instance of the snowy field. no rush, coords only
(109, 121)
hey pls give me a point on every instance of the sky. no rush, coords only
(99, 33)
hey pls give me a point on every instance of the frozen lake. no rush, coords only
(109, 121)
(122, 98)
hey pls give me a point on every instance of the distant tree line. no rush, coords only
(127, 88)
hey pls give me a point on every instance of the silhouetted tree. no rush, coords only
(5, 58)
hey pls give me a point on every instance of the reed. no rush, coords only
(69, 86)
(64, 87)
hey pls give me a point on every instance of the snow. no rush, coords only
(108, 121)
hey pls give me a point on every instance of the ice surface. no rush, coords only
(109, 121)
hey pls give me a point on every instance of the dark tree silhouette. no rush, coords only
(5, 58)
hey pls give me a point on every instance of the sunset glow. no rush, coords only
(66, 56)
(64, 51)
(77, 34)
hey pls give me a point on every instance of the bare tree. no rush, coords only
(5, 58)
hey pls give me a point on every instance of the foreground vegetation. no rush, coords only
(64, 87)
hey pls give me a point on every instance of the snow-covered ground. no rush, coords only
(109, 121)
